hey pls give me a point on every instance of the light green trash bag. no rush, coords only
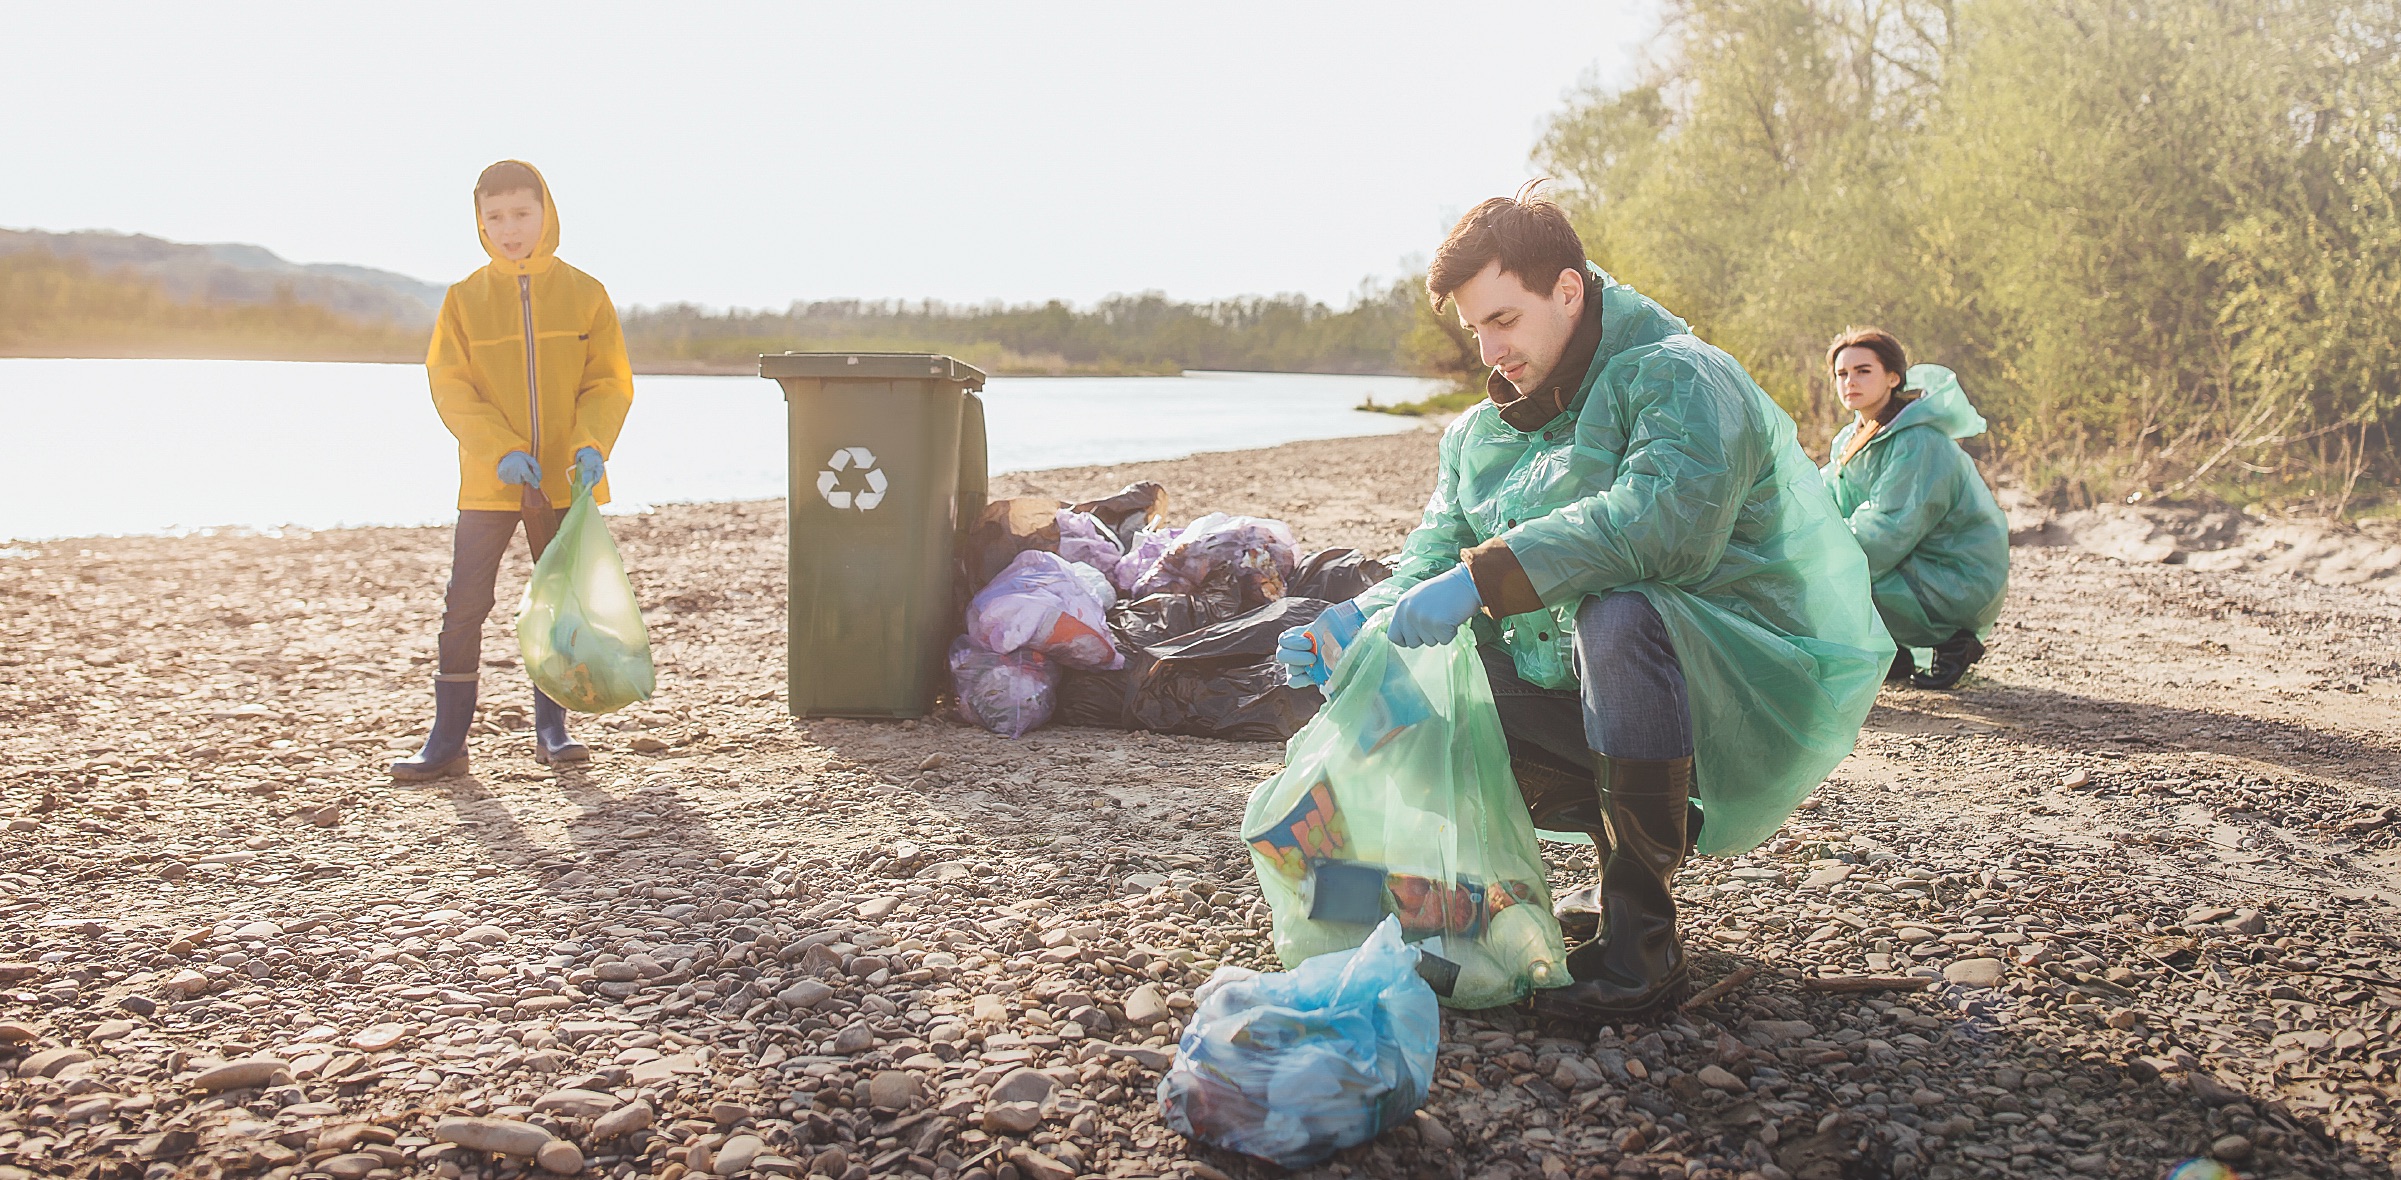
(579, 626)
(1398, 799)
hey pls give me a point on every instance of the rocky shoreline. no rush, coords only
(2125, 899)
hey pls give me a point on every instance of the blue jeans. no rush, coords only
(1630, 703)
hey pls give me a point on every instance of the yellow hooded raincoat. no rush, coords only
(510, 321)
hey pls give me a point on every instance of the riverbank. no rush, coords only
(2151, 852)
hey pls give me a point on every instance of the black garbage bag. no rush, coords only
(1140, 506)
(1161, 617)
(1336, 575)
(1220, 681)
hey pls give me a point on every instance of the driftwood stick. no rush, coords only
(1717, 991)
(1866, 983)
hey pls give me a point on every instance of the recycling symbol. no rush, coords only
(849, 459)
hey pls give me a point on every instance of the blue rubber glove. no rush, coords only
(1311, 653)
(519, 468)
(1430, 612)
(589, 468)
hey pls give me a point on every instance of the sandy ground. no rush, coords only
(2141, 871)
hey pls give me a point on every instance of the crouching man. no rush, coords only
(1674, 619)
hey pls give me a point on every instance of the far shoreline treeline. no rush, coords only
(53, 306)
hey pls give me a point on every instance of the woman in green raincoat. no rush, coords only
(1936, 543)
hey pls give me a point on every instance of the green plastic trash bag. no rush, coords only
(1397, 800)
(1936, 543)
(1672, 474)
(579, 627)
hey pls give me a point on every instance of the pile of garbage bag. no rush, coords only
(1099, 614)
(1293, 1066)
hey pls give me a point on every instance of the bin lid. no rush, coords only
(871, 366)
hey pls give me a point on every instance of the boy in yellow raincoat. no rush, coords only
(529, 372)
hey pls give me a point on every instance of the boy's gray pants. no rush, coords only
(476, 548)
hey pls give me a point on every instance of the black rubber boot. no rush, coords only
(551, 743)
(1904, 666)
(445, 751)
(1562, 800)
(1951, 659)
(1638, 963)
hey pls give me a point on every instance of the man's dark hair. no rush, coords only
(1876, 340)
(507, 176)
(1528, 234)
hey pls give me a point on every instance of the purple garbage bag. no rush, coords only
(1046, 603)
(1083, 539)
(1007, 694)
(1142, 554)
(1261, 552)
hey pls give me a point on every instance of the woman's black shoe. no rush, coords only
(1904, 666)
(1951, 659)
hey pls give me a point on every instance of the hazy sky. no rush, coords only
(751, 154)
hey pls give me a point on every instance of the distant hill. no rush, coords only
(95, 293)
(222, 273)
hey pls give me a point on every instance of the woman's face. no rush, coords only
(1863, 381)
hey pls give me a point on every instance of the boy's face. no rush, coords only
(513, 220)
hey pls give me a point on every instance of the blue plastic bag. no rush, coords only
(1293, 1066)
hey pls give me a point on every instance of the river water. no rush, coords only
(95, 447)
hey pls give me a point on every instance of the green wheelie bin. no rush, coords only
(887, 467)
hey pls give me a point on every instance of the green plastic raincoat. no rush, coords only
(1936, 543)
(1674, 475)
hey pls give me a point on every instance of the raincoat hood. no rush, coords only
(545, 251)
(1629, 319)
(1940, 403)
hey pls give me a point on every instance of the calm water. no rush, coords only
(90, 447)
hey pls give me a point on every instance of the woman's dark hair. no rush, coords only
(1888, 350)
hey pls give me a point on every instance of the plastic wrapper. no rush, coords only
(578, 626)
(1398, 801)
(1294, 1066)
(1261, 553)
(1336, 575)
(1046, 603)
(1220, 681)
(1008, 694)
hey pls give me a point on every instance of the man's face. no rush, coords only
(513, 220)
(1522, 333)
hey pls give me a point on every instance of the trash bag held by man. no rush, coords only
(1294, 1066)
(1398, 800)
(579, 627)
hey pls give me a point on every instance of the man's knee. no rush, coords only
(1624, 615)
